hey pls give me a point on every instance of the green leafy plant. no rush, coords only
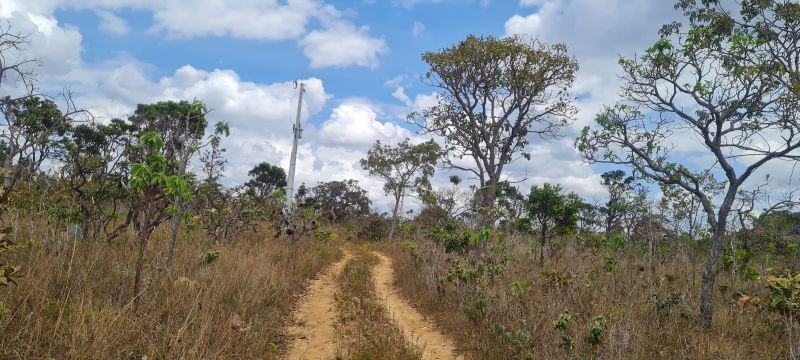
(784, 297)
(553, 211)
(374, 229)
(3, 309)
(520, 288)
(324, 235)
(562, 325)
(209, 257)
(741, 258)
(616, 243)
(665, 305)
(518, 340)
(410, 248)
(7, 272)
(153, 189)
(784, 293)
(609, 264)
(475, 305)
(599, 324)
(452, 235)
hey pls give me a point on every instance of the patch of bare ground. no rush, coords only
(313, 332)
(417, 329)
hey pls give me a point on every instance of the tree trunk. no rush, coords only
(710, 273)
(143, 235)
(394, 216)
(542, 240)
(179, 204)
(176, 224)
(487, 197)
(8, 171)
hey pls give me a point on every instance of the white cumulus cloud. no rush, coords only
(357, 124)
(328, 37)
(342, 44)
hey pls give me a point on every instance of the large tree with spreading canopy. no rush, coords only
(494, 97)
(727, 84)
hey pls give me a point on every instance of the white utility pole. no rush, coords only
(298, 132)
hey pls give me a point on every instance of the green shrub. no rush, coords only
(452, 235)
(593, 241)
(410, 247)
(475, 305)
(596, 331)
(609, 264)
(616, 243)
(374, 229)
(562, 325)
(324, 235)
(518, 340)
(209, 257)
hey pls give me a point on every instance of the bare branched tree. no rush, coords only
(728, 85)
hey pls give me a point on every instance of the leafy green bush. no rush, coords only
(374, 229)
(475, 305)
(616, 243)
(519, 340)
(405, 228)
(209, 257)
(664, 305)
(599, 324)
(562, 325)
(593, 241)
(410, 247)
(452, 235)
(741, 258)
(609, 264)
(324, 235)
(784, 293)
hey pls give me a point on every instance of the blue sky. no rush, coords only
(359, 58)
(265, 61)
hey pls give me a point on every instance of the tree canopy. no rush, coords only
(265, 179)
(726, 83)
(494, 97)
(402, 167)
(553, 212)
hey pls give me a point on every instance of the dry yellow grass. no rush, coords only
(628, 298)
(74, 301)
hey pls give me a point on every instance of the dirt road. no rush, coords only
(314, 332)
(418, 330)
(315, 337)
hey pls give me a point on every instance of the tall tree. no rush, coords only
(553, 212)
(153, 190)
(728, 83)
(403, 167)
(495, 94)
(181, 126)
(339, 200)
(618, 186)
(95, 170)
(265, 179)
(29, 122)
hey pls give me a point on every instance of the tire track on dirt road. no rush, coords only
(417, 330)
(314, 334)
